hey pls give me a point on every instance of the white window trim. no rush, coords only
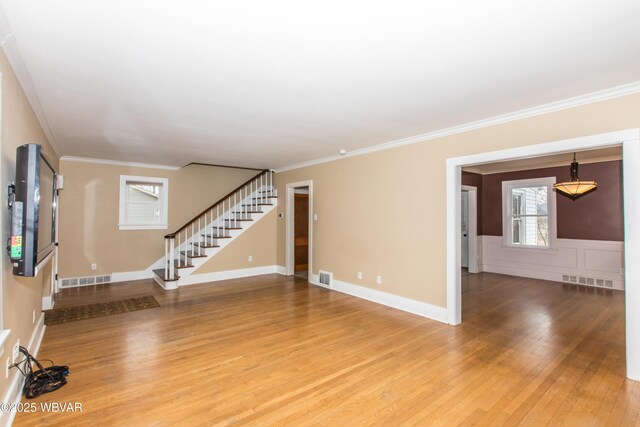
(551, 206)
(164, 203)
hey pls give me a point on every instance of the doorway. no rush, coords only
(301, 232)
(468, 228)
(464, 229)
(299, 229)
(630, 141)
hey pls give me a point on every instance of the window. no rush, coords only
(143, 203)
(528, 213)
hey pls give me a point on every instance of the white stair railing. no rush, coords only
(215, 221)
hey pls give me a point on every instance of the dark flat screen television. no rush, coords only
(33, 213)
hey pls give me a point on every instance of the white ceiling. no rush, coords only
(268, 84)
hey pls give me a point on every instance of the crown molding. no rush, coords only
(10, 48)
(118, 163)
(576, 101)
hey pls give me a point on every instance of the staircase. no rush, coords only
(200, 239)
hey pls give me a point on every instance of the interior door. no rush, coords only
(301, 232)
(464, 224)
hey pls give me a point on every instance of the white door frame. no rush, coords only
(290, 219)
(630, 141)
(472, 227)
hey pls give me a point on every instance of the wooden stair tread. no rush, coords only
(192, 254)
(247, 212)
(160, 273)
(260, 204)
(213, 236)
(206, 245)
(178, 264)
(265, 197)
(228, 228)
(238, 219)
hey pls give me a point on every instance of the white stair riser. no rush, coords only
(211, 252)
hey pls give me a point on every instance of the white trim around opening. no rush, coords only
(630, 141)
(290, 218)
(472, 227)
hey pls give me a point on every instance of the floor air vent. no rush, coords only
(326, 278)
(590, 281)
(73, 282)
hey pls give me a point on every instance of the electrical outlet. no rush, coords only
(16, 351)
(250, 258)
(315, 216)
(379, 280)
(94, 267)
(34, 316)
(359, 275)
(6, 372)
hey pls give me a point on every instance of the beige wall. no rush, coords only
(89, 212)
(20, 296)
(259, 241)
(384, 213)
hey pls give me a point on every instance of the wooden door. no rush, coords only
(301, 232)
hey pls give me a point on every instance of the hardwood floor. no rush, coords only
(274, 350)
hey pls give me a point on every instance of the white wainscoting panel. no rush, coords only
(581, 260)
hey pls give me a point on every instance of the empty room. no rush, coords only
(341, 213)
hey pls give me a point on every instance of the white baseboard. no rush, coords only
(167, 286)
(226, 275)
(36, 336)
(281, 269)
(14, 393)
(47, 302)
(419, 308)
(314, 279)
(127, 276)
(195, 278)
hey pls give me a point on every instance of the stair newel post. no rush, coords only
(235, 203)
(193, 237)
(179, 250)
(198, 240)
(166, 258)
(271, 183)
(260, 194)
(224, 229)
(172, 242)
(217, 217)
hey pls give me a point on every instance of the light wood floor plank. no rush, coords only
(273, 350)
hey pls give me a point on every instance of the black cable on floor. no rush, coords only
(42, 381)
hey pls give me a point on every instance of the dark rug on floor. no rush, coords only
(89, 311)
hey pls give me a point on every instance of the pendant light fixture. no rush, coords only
(575, 188)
